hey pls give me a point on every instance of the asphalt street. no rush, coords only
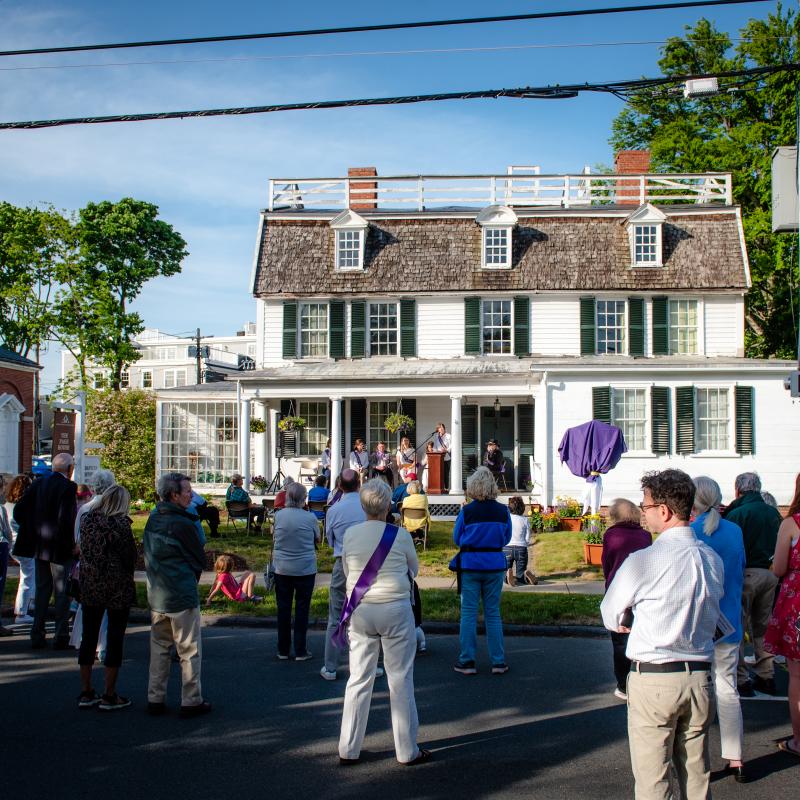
(550, 728)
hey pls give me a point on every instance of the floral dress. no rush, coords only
(782, 636)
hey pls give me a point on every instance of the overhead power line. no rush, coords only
(621, 89)
(391, 26)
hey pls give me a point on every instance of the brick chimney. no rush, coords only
(363, 201)
(630, 162)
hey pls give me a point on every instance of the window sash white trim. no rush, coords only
(699, 349)
(730, 433)
(500, 256)
(322, 332)
(647, 449)
(350, 245)
(510, 326)
(622, 327)
(321, 432)
(657, 244)
(388, 330)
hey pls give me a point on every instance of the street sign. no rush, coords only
(63, 432)
(90, 465)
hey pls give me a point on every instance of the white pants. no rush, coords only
(729, 708)
(77, 631)
(26, 590)
(372, 626)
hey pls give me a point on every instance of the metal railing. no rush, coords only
(432, 192)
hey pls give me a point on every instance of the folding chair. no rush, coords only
(416, 513)
(269, 513)
(319, 505)
(238, 510)
(501, 476)
(308, 470)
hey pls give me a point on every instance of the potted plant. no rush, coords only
(550, 522)
(290, 423)
(569, 511)
(259, 483)
(397, 421)
(257, 425)
(594, 528)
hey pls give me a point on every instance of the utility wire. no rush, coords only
(582, 12)
(356, 53)
(620, 89)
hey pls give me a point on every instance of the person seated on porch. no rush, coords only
(423, 465)
(416, 498)
(380, 463)
(237, 494)
(401, 493)
(319, 494)
(493, 458)
(359, 459)
(406, 460)
(280, 497)
(325, 462)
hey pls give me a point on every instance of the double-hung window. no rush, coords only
(174, 377)
(383, 329)
(610, 326)
(712, 420)
(378, 411)
(348, 249)
(497, 248)
(496, 327)
(124, 379)
(629, 413)
(147, 379)
(683, 327)
(315, 433)
(314, 330)
(645, 245)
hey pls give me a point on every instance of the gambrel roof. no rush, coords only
(560, 250)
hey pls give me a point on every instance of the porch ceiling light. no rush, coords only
(497, 405)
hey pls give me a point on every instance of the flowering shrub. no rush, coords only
(550, 521)
(594, 527)
(258, 482)
(568, 507)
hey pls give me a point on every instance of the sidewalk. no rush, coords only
(433, 582)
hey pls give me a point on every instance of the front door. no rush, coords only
(499, 425)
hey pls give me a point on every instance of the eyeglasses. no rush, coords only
(644, 507)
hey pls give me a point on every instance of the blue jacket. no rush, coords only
(484, 524)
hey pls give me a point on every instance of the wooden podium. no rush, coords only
(435, 473)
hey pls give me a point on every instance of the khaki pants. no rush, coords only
(758, 595)
(669, 715)
(183, 630)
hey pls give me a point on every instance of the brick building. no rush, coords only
(17, 408)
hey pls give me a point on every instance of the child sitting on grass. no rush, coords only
(228, 585)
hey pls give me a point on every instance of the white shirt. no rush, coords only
(397, 571)
(325, 459)
(442, 444)
(341, 516)
(520, 531)
(359, 461)
(674, 588)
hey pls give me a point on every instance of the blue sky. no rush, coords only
(209, 176)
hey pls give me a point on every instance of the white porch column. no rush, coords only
(272, 430)
(262, 440)
(456, 471)
(336, 439)
(244, 444)
(543, 433)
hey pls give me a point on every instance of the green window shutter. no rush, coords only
(290, 330)
(408, 328)
(601, 403)
(587, 327)
(659, 422)
(744, 419)
(358, 423)
(525, 430)
(472, 325)
(660, 326)
(522, 326)
(358, 329)
(470, 448)
(635, 326)
(684, 419)
(336, 329)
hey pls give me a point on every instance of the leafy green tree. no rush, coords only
(122, 246)
(125, 422)
(734, 131)
(31, 250)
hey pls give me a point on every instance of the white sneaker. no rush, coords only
(23, 619)
(379, 673)
(327, 674)
(421, 644)
(749, 659)
(620, 695)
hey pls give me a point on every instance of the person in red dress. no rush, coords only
(783, 635)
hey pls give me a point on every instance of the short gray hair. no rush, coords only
(769, 499)
(707, 497)
(62, 462)
(481, 485)
(748, 482)
(622, 510)
(169, 484)
(102, 481)
(295, 495)
(376, 497)
(414, 487)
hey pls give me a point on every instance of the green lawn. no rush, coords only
(556, 555)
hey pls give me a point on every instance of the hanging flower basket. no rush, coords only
(291, 424)
(398, 422)
(257, 425)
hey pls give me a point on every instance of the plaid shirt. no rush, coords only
(237, 494)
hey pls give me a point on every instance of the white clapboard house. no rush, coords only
(508, 306)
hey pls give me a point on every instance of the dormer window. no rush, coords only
(350, 231)
(497, 224)
(645, 227)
